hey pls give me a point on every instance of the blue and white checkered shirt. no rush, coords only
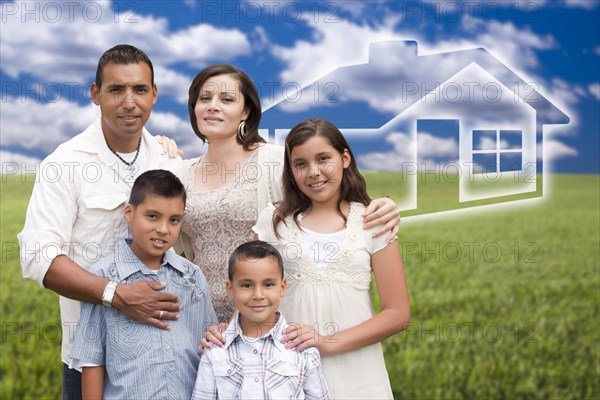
(259, 368)
(142, 361)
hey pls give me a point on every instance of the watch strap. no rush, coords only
(109, 293)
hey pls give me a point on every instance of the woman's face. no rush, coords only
(220, 108)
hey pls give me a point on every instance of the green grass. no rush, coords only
(541, 292)
(537, 285)
(30, 337)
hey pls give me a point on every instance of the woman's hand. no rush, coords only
(169, 146)
(301, 336)
(382, 213)
(213, 336)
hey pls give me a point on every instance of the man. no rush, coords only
(75, 214)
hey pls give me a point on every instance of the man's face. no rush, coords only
(125, 99)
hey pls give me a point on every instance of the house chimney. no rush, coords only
(381, 51)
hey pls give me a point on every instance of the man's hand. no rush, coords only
(142, 301)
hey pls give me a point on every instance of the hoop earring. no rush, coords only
(241, 132)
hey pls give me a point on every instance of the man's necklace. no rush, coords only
(137, 153)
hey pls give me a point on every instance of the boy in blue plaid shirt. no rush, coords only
(125, 359)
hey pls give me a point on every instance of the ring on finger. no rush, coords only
(160, 314)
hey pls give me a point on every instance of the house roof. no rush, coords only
(397, 77)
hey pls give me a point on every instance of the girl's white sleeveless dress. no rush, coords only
(333, 298)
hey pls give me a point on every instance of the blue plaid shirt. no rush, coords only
(142, 361)
(259, 368)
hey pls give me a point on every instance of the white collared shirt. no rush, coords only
(76, 209)
(259, 368)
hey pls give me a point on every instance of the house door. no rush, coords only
(437, 165)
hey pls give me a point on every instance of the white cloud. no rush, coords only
(198, 44)
(430, 148)
(516, 48)
(486, 143)
(526, 5)
(435, 147)
(61, 42)
(597, 50)
(395, 160)
(586, 4)
(169, 124)
(594, 89)
(567, 92)
(33, 125)
(357, 9)
(333, 45)
(14, 163)
(347, 43)
(403, 152)
(553, 150)
(330, 49)
(172, 84)
(565, 96)
(260, 39)
(65, 47)
(478, 6)
(43, 126)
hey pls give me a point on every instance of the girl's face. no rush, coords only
(318, 169)
(220, 107)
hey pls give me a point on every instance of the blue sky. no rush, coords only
(49, 52)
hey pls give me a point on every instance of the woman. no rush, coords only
(237, 177)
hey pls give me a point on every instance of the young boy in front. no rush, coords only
(253, 363)
(125, 359)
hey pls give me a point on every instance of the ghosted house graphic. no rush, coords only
(447, 130)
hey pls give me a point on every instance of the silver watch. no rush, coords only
(109, 293)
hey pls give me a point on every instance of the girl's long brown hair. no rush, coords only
(353, 186)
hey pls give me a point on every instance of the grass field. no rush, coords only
(504, 302)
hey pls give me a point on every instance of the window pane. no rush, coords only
(484, 163)
(484, 140)
(511, 140)
(510, 162)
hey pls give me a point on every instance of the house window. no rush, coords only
(497, 151)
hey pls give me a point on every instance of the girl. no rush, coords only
(236, 178)
(329, 258)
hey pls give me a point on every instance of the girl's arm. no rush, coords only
(92, 383)
(382, 213)
(393, 318)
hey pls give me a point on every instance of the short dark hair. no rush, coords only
(122, 54)
(251, 101)
(157, 182)
(254, 250)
